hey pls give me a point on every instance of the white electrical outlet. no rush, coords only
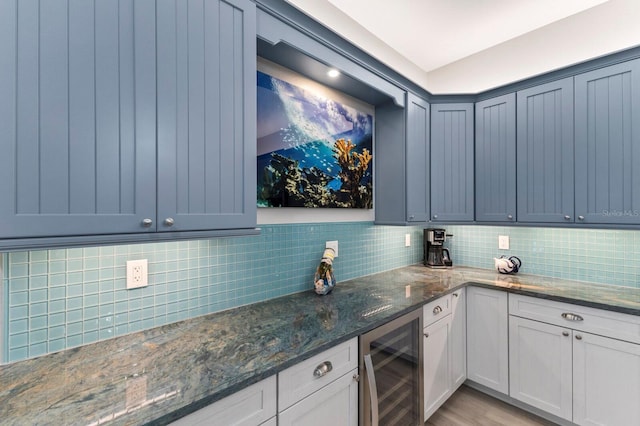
(407, 240)
(333, 245)
(503, 242)
(137, 271)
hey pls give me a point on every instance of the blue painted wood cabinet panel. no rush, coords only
(402, 162)
(546, 153)
(84, 152)
(495, 159)
(77, 117)
(417, 159)
(607, 131)
(452, 162)
(206, 114)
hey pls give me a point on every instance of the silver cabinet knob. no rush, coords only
(412, 217)
(455, 294)
(510, 217)
(567, 217)
(147, 222)
(565, 333)
(356, 377)
(437, 310)
(578, 337)
(581, 217)
(169, 221)
(426, 335)
(435, 216)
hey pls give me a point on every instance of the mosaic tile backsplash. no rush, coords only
(58, 299)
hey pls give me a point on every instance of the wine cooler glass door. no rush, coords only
(392, 390)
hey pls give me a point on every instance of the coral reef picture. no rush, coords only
(312, 151)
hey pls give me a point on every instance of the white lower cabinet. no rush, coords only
(561, 368)
(252, 406)
(540, 361)
(322, 390)
(336, 404)
(444, 349)
(606, 381)
(437, 365)
(488, 338)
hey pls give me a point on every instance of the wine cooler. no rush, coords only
(391, 379)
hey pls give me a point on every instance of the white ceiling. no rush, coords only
(440, 44)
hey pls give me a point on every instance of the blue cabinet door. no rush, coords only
(607, 159)
(417, 154)
(452, 162)
(546, 153)
(206, 114)
(77, 117)
(496, 159)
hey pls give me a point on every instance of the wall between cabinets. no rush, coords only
(595, 255)
(58, 299)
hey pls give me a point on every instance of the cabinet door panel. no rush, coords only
(437, 365)
(417, 160)
(77, 117)
(545, 153)
(606, 380)
(452, 158)
(487, 338)
(458, 338)
(607, 129)
(496, 159)
(206, 114)
(334, 404)
(540, 360)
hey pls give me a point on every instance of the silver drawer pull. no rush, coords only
(437, 310)
(578, 337)
(572, 317)
(455, 294)
(565, 333)
(322, 369)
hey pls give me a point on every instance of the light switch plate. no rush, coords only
(503, 242)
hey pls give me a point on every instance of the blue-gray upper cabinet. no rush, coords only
(607, 129)
(452, 162)
(206, 114)
(402, 162)
(77, 117)
(417, 159)
(546, 153)
(496, 159)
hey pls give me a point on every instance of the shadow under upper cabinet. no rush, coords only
(289, 57)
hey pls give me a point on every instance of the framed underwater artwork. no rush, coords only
(312, 151)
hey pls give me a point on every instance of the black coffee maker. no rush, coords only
(436, 256)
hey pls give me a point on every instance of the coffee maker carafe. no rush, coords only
(436, 256)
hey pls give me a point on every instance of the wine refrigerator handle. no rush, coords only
(373, 390)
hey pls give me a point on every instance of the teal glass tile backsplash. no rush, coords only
(595, 255)
(58, 299)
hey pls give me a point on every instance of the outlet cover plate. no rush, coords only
(333, 245)
(137, 272)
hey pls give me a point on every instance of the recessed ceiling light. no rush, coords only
(333, 73)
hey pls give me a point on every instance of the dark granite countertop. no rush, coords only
(190, 364)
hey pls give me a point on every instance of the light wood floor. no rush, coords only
(469, 407)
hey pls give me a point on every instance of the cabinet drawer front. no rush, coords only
(437, 309)
(250, 406)
(606, 323)
(302, 380)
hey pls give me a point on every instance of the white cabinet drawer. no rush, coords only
(303, 379)
(436, 309)
(249, 407)
(597, 321)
